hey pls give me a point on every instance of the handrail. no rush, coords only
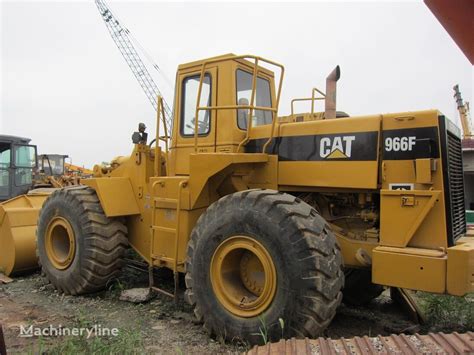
(160, 113)
(251, 107)
(181, 186)
(312, 98)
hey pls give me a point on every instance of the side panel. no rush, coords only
(115, 194)
(411, 167)
(339, 153)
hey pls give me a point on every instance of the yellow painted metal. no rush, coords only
(116, 195)
(313, 98)
(252, 106)
(172, 207)
(423, 171)
(160, 118)
(350, 249)
(18, 218)
(167, 191)
(408, 268)
(60, 243)
(328, 174)
(243, 276)
(460, 272)
(411, 207)
(448, 270)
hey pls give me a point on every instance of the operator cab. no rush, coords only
(17, 162)
(52, 164)
(223, 85)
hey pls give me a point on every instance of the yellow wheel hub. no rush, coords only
(243, 276)
(60, 243)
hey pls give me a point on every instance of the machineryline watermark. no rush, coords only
(59, 331)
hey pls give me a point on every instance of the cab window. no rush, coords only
(262, 98)
(25, 161)
(25, 156)
(5, 155)
(52, 165)
(188, 105)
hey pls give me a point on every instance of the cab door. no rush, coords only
(183, 145)
(5, 171)
(24, 162)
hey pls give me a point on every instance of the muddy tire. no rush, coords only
(79, 248)
(359, 289)
(263, 232)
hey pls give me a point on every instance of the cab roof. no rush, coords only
(223, 57)
(14, 139)
(201, 61)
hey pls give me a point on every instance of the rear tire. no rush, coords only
(79, 248)
(285, 235)
(359, 289)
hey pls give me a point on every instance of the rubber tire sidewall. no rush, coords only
(283, 295)
(56, 207)
(241, 219)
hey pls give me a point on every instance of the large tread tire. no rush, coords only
(359, 289)
(305, 252)
(100, 241)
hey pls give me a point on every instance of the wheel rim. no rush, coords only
(60, 243)
(243, 276)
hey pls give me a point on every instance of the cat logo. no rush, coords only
(336, 147)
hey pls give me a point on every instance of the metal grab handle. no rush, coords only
(251, 107)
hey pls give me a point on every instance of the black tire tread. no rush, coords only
(319, 257)
(105, 241)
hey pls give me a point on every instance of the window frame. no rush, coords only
(183, 97)
(16, 168)
(14, 153)
(237, 95)
(10, 163)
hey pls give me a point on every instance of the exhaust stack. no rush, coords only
(331, 88)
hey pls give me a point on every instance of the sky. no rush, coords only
(65, 85)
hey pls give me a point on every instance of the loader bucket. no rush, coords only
(18, 218)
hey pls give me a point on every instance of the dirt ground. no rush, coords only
(159, 324)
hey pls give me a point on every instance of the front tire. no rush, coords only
(79, 248)
(263, 261)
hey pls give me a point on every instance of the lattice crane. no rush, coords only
(463, 109)
(122, 38)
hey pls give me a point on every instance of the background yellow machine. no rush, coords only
(269, 216)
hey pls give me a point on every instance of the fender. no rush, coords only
(115, 194)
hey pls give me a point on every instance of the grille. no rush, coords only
(456, 186)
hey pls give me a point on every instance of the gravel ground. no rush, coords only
(161, 326)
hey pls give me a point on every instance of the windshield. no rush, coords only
(25, 161)
(25, 156)
(262, 98)
(52, 165)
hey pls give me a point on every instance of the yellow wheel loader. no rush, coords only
(273, 220)
(26, 180)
